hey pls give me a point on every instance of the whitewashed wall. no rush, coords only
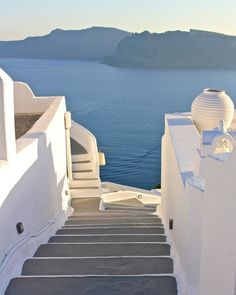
(26, 102)
(218, 251)
(198, 193)
(33, 191)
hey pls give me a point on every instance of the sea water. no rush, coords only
(123, 108)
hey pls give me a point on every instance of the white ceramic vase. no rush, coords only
(210, 108)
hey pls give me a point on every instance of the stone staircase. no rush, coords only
(86, 181)
(119, 251)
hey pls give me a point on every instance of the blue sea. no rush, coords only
(123, 108)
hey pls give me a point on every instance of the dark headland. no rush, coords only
(177, 49)
(87, 44)
(174, 49)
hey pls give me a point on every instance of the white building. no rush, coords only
(42, 177)
(198, 194)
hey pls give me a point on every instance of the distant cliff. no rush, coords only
(177, 49)
(92, 44)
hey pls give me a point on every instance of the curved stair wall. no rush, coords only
(85, 163)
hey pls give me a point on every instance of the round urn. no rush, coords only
(210, 108)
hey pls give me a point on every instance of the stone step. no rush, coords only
(128, 202)
(109, 285)
(85, 192)
(111, 227)
(117, 213)
(81, 157)
(111, 207)
(150, 221)
(94, 182)
(132, 202)
(112, 220)
(99, 249)
(131, 230)
(98, 266)
(81, 161)
(105, 218)
(106, 238)
(88, 173)
(85, 204)
(82, 165)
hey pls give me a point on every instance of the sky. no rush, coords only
(22, 18)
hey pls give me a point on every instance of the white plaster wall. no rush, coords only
(186, 214)
(218, 252)
(173, 207)
(204, 235)
(32, 190)
(26, 102)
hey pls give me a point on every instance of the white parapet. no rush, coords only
(26, 102)
(7, 123)
(198, 194)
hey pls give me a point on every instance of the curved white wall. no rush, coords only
(85, 138)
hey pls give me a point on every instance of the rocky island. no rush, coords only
(176, 49)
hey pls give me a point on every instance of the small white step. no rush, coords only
(81, 157)
(86, 192)
(82, 165)
(84, 174)
(85, 182)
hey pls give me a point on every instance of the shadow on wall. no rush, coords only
(180, 122)
(34, 200)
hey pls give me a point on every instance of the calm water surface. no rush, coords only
(124, 108)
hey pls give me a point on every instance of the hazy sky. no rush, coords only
(22, 18)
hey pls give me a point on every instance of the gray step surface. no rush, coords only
(75, 221)
(97, 249)
(130, 203)
(114, 213)
(131, 230)
(114, 216)
(98, 266)
(111, 226)
(164, 285)
(107, 238)
(111, 207)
